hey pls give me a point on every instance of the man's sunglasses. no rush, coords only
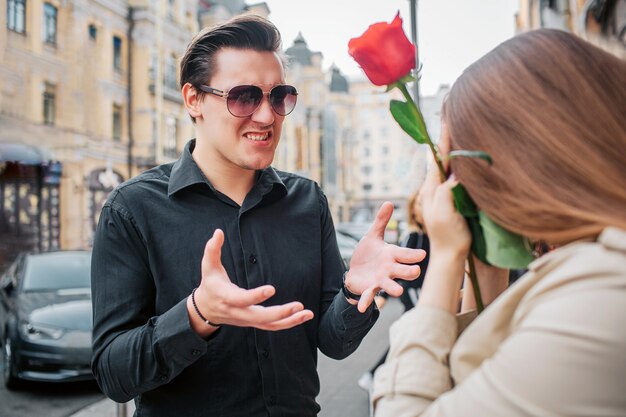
(243, 100)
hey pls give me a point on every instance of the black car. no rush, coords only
(347, 243)
(45, 318)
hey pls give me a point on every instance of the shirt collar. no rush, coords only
(186, 172)
(611, 238)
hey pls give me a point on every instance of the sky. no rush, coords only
(451, 33)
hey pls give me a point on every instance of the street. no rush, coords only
(340, 396)
(49, 400)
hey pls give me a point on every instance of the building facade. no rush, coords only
(602, 22)
(92, 86)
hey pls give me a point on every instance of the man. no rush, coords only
(230, 327)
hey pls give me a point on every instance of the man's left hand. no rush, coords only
(375, 263)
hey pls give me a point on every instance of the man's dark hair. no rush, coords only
(241, 32)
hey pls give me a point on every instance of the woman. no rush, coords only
(550, 109)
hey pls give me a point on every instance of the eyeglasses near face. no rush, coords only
(243, 100)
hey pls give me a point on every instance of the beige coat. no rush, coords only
(554, 344)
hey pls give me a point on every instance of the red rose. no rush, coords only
(384, 52)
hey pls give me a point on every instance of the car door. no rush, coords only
(8, 288)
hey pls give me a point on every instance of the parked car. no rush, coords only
(46, 318)
(347, 243)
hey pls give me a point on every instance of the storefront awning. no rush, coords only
(23, 154)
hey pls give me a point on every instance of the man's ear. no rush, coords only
(192, 101)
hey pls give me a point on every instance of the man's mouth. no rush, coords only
(257, 136)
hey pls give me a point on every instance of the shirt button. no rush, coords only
(252, 259)
(266, 353)
(195, 352)
(350, 316)
(272, 400)
(163, 378)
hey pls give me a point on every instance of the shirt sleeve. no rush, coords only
(134, 350)
(564, 355)
(342, 327)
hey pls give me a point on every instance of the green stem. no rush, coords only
(420, 120)
(442, 173)
(474, 279)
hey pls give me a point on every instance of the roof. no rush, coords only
(300, 52)
(338, 83)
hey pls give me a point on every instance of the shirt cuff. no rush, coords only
(173, 332)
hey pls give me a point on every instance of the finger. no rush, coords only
(291, 321)
(443, 193)
(382, 218)
(408, 255)
(240, 297)
(406, 272)
(212, 258)
(367, 297)
(257, 315)
(392, 288)
(433, 179)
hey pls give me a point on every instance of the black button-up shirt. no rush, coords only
(146, 261)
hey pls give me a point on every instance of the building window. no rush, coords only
(16, 15)
(117, 122)
(49, 105)
(170, 9)
(117, 53)
(154, 62)
(93, 32)
(170, 72)
(171, 128)
(49, 23)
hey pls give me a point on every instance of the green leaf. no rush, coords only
(406, 119)
(504, 249)
(463, 202)
(479, 244)
(471, 154)
(466, 206)
(406, 79)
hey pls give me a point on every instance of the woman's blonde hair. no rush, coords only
(414, 219)
(550, 109)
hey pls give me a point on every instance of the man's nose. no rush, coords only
(264, 114)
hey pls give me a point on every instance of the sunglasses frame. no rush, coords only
(224, 94)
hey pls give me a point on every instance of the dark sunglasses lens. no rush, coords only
(243, 100)
(283, 99)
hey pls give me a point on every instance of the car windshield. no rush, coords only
(345, 241)
(57, 271)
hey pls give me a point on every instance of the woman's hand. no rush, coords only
(447, 229)
(450, 239)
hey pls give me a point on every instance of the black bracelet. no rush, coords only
(193, 301)
(346, 292)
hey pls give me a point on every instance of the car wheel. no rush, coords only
(9, 374)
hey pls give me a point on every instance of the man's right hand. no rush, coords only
(221, 301)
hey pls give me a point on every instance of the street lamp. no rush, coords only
(416, 84)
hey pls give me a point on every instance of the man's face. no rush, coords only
(246, 143)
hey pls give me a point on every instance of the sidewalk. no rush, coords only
(340, 396)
